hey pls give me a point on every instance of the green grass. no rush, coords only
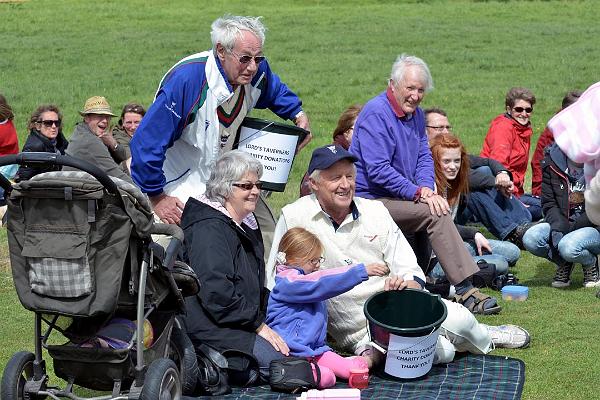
(332, 54)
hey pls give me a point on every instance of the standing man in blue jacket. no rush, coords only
(200, 103)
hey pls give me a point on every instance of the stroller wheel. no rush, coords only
(181, 351)
(161, 381)
(19, 370)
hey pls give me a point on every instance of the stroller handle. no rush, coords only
(39, 158)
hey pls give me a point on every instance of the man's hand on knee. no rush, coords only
(437, 205)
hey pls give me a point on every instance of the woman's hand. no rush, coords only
(377, 269)
(482, 243)
(273, 337)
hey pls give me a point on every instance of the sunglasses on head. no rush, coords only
(134, 109)
(245, 59)
(248, 185)
(48, 123)
(521, 109)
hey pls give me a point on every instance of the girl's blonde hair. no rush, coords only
(299, 246)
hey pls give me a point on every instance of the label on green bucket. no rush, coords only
(410, 357)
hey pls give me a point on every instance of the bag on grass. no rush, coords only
(485, 276)
(293, 375)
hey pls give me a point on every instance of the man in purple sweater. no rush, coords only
(395, 166)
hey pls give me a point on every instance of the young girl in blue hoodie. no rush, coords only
(297, 309)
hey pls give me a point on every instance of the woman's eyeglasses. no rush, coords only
(133, 109)
(316, 261)
(245, 59)
(48, 123)
(528, 110)
(248, 185)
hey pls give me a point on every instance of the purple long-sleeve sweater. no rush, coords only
(394, 159)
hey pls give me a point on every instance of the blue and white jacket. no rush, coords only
(177, 142)
(297, 310)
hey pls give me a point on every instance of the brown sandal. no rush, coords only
(475, 301)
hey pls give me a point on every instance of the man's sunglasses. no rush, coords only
(245, 59)
(528, 110)
(48, 123)
(248, 185)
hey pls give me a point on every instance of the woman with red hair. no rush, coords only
(451, 165)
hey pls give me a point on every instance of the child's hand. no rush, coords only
(377, 269)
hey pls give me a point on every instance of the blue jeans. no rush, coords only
(581, 246)
(503, 255)
(499, 214)
(534, 205)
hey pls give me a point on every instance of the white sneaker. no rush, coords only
(508, 336)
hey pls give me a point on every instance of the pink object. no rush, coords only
(331, 394)
(359, 378)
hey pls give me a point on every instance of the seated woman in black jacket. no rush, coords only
(224, 247)
(45, 135)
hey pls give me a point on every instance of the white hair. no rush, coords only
(230, 168)
(227, 29)
(403, 61)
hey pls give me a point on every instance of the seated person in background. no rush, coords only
(508, 141)
(567, 236)
(45, 135)
(342, 136)
(131, 116)
(545, 140)
(223, 245)
(394, 165)
(9, 143)
(357, 230)
(451, 178)
(297, 307)
(92, 141)
(490, 199)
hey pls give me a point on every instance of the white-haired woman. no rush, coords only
(224, 247)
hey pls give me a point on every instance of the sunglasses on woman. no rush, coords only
(248, 185)
(528, 110)
(49, 123)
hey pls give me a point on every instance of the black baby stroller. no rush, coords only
(81, 255)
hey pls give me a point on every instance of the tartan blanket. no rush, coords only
(469, 376)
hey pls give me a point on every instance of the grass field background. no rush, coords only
(332, 54)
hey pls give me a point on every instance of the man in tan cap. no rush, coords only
(92, 140)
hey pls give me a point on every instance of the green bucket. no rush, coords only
(406, 323)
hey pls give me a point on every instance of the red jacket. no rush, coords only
(9, 144)
(545, 140)
(508, 142)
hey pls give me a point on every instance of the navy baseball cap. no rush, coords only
(324, 157)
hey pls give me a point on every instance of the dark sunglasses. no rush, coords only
(521, 109)
(245, 59)
(48, 123)
(248, 185)
(134, 109)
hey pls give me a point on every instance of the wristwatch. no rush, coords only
(301, 113)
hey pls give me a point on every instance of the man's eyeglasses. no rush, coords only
(528, 110)
(48, 123)
(248, 185)
(316, 261)
(440, 127)
(245, 59)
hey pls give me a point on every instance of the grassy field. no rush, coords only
(332, 54)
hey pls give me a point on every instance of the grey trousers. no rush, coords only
(266, 221)
(445, 241)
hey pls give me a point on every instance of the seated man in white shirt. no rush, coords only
(357, 230)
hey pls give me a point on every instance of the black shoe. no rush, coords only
(516, 235)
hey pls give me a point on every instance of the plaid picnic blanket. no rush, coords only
(469, 376)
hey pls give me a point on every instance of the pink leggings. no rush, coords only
(332, 365)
